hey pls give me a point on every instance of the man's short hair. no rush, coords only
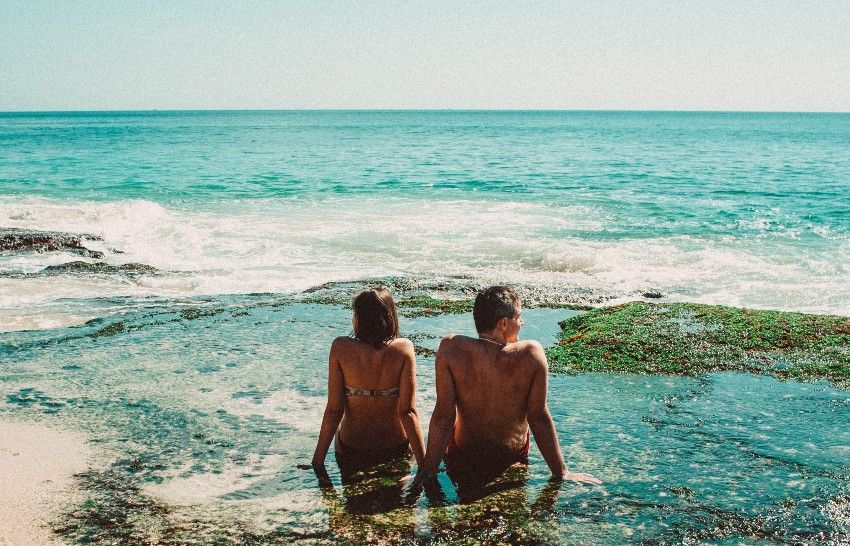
(492, 304)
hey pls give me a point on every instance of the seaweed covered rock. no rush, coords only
(689, 338)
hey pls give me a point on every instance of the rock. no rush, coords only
(653, 295)
(22, 240)
(99, 267)
(452, 294)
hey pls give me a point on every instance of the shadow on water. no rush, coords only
(204, 410)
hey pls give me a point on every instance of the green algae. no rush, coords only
(426, 306)
(108, 330)
(410, 307)
(689, 338)
(191, 313)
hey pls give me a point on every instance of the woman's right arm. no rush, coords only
(334, 409)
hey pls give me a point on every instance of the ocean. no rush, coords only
(746, 209)
(196, 367)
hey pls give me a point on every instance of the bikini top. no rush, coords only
(349, 391)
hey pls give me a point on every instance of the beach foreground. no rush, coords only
(37, 465)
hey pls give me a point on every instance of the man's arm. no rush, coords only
(443, 418)
(541, 424)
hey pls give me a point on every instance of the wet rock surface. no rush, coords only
(24, 240)
(99, 267)
(196, 389)
(418, 297)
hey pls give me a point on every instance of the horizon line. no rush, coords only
(410, 110)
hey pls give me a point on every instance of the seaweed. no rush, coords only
(689, 338)
(426, 306)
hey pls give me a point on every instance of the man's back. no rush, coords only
(492, 382)
(490, 392)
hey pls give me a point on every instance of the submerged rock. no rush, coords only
(24, 240)
(450, 295)
(99, 267)
(689, 338)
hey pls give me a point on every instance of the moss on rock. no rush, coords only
(689, 338)
(423, 306)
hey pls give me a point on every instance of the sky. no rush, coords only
(625, 55)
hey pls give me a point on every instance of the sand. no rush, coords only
(37, 464)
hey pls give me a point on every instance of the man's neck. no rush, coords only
(495, 337)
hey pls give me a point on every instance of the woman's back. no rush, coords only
(371, 409)
(372, 384)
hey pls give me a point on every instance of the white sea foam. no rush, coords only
(286, 245)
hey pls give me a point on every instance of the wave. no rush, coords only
(287, 245)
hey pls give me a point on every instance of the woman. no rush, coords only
(371, 410)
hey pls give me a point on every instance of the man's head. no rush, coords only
(493, 304)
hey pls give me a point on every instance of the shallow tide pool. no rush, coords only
(202, 409)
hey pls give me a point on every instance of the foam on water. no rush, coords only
(287, 245)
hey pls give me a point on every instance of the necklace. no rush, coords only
(493, 341)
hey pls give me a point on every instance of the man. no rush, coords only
(490, 391)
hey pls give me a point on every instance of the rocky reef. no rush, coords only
(25, 240)
(450, 294)
(689, 338)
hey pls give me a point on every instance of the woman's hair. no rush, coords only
(377, 321)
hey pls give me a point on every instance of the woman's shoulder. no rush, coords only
(401, 344)
(343, 343)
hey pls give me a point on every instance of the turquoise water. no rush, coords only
(737, 208)
(206, 408)
(201, 379)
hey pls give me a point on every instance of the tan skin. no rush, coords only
(370, 422)
(482, 401)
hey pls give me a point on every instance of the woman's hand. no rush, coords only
(314, 465)
(320, 471)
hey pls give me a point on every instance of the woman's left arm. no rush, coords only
(407, 405)
(334, 410)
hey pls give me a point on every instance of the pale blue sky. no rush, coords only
(626, 54)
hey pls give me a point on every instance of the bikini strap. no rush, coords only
(350, 391)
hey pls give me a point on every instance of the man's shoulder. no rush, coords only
(528, 345)
(530, 350)
(455, 341)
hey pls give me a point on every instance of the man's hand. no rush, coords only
(581, 477)
(428, 482)
(422, 478)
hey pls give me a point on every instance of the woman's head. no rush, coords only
(375, 318)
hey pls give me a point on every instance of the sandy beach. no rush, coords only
(37, 464)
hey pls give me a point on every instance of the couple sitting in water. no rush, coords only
(491, 395)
